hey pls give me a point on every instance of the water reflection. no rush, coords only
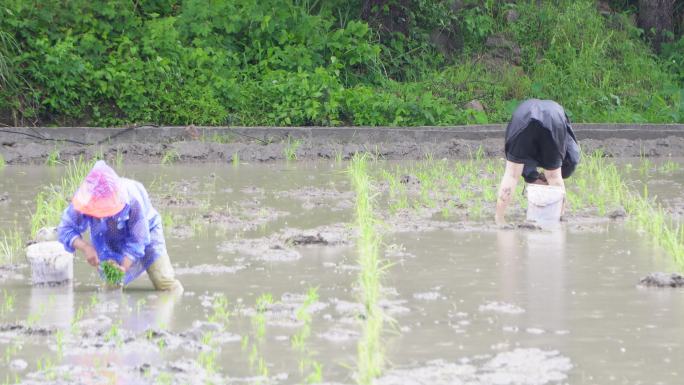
(52, 305)
(532, 274)
(137, 310)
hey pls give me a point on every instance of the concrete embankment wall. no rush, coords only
(26, 145)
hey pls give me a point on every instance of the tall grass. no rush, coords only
(369, 349)
(54, 198)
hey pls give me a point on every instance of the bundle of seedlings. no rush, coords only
(112, 274)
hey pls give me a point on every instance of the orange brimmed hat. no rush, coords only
(101, 194)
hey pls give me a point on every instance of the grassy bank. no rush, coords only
(297, 62)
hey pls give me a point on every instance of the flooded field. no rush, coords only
(268, 257)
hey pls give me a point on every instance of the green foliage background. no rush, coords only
(299, 62)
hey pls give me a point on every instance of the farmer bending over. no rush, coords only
(538, 135)
(124, 227)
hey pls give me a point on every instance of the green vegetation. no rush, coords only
(291, 147)
(54, 198)
(53, 158)
(113, 274)
(308, 366)
(293, 62)
(10, 246)
(370, 348)
(2, 162)
(599, 183)
(170, 156)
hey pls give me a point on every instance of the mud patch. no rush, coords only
(261, 249)
(11, 272)
(15, 329)
(662, 280)
(314, 197)
(284, 312)
(333, 235)
(246, 218)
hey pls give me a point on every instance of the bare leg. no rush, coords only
(555, 178)
(507, 188)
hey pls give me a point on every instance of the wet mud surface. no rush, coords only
(470, 303)
(193, 150)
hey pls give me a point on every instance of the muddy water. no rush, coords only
(474, 305)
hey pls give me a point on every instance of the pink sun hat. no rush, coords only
(101, 194)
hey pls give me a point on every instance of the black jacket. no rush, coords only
(551, 116)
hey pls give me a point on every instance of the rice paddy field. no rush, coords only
(357, 271)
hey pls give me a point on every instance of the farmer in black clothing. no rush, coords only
(538, 135)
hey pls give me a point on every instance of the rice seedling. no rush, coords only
(168, 220)
(53, 158)
(139, 304)
(118, 159)
(113, 275)
(10, 246)
(59, 341)
(606, 188)
(370, 353)
(171, 156)
(7, 303)
(54, 198)
(163, 378)
(291, 147)
(220, 312)
(236, 159)
(669, 167)
(259, 319)
(2, 162)
(338, 157)
(94, 301)
(219, 138)
(207, 358)
(299, 340)
(99, 154)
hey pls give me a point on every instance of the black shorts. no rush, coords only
(534, 146)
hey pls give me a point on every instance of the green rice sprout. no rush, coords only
(291, 147)
(54, 198)
(2, 162)
(53, 158)
(370, 353)
(10, 246)
(171, 156)
(113, 275)
(599, 184)
(236, 159)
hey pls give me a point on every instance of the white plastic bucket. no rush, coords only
(544, 203)
(50, 263)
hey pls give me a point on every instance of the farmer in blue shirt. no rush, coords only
(124, 227)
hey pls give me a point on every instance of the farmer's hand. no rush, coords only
(88, 250)
(126, 264)
(91, 256)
